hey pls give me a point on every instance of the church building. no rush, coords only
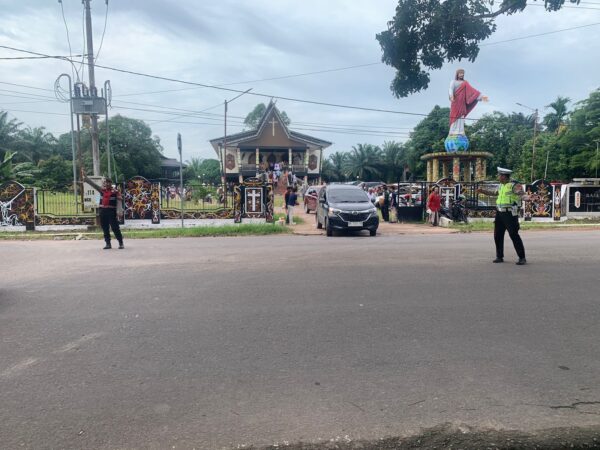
(271, 146)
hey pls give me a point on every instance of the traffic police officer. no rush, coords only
(507, 215)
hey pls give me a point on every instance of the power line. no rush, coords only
(263, 79)
(297, 100)
(37, 57)
(36, 112)
(103, 32)
(62, 9)
(539, 34)
(26, 86)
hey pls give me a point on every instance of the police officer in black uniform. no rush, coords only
(110, 207)
(508, 201)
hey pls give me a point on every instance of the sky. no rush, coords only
(259, 44)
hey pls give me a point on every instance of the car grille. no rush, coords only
(358, 217)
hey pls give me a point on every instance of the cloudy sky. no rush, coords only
(258, 45)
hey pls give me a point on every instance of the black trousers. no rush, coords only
(385, 213)
(108, 219)
(506, 221)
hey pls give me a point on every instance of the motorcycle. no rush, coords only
(457, 211)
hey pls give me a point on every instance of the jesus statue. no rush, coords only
(463, 98)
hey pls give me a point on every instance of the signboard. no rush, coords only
(584, 199)
(91, 197)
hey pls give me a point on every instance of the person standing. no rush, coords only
(509, 198)
(286, 198)
(434, 203)
(291, 204)
(385, 204)
(111, 206)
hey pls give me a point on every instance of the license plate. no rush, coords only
(355, 224)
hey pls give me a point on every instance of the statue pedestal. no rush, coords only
(461, 166)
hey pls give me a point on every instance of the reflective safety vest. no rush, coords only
(506, 196)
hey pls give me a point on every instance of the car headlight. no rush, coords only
(333, 211)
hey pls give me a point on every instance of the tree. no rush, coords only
(394, 160)
(427, 137)
(8, 133)
(253, 118)
(135, 151)
(55, 173)
(364, 162)
(554, 120)
(35, 144)
(203, 170)
(337, 164)
(425, 33)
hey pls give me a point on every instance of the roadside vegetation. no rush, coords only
(216, 231)
(489, 226)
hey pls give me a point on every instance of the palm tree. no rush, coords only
(194, 166)
(337, 163)
(554, 120)
(364, 162)
(394, 159)
(35, 144)
(8, 132)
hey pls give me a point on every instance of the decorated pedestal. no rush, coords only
(458, 165)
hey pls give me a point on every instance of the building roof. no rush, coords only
(169, 162)
(239, 139)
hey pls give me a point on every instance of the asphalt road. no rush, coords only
(221, 342)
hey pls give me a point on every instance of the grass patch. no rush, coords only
(249, 229)
(297, 219)
(489, 226)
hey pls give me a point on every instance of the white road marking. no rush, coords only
(14, 370)
(76, 343)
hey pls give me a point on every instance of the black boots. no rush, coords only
(121, 246)
(521, 262)
(107, 246)
(498, 260)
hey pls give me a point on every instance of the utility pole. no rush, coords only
(535, 119)
(224, 151)
(92, 87)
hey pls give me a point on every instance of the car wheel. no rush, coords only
(373, 232)
(319, 226)
(328, 229)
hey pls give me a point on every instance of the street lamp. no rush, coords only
(535, 118)
(224, 151)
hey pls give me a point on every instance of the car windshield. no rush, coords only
(348, 196)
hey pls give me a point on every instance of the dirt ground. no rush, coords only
(309, 226)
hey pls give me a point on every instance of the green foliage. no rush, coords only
(334, 167)
(135, 150)
(6, 167)
(364, 163)
(203, 170)
(394, 160)
(55, 173)
(555, 119)
(423, 34)
(34, 144)
(428, 136)
(253, 118)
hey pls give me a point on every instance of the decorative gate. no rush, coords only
(253, 199)
(540, 200)
(16, 205)
(142, 199)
